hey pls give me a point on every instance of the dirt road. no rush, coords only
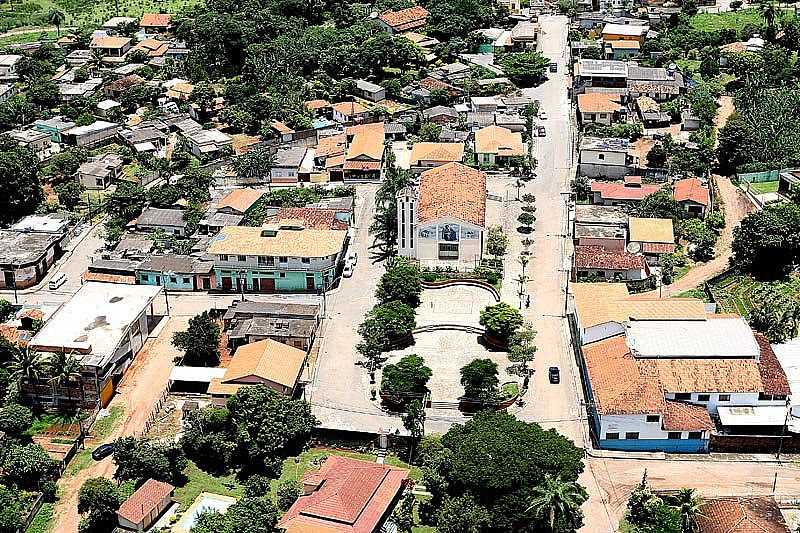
(139, 389)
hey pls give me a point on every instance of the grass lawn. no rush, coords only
(22, 38)
(730, 19)
(200, 481)
(700, 294)
(101, 429)
(43, 521)
(735, 293)
(45, 420)
(764, 187)
(688, 66)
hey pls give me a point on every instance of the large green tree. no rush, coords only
(525, 68)
(140, 459)
(501, 321)
(20, 189)
(98, 501)
(402, 282)
(406, 379)
(200, 341)
(480, 381)
(767, 242)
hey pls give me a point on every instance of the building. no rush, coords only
(112, 49)
(73, 90)
(286, 322)
(603, 73)
(349, 112)
(177, 273)
(605, 157)
(265, 362)
(693, 196)
(92, 135)
(345, 495)
(169, 220)
(143, 507)
(629, 192)
(145, 138)
(496, 146)
(621, 50)
(625, 32)
(741, 514)
(342, 206)
(363, 160)
(441, 115)
(443, 219)
(54, 127)
(104, 325)
(597, 262)
(287, 165)
(49, 224)
(155, 22)
(38, 141)
(114, 89)
(651, 114)
(600, 108)
(98, 173)
(598, 225)
(652, 237)
(8, 66)
(311, 217)
(525, 36)
(112, 25)
(512, 6)
(207, 143)
(404, 20)
(25, 257)
(426, 155)
(239, 201)
(282, 257)
(660, 84)
(370, 91)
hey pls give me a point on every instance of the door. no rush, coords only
(9, 278)
(206, 284)
(310, 285)
(267, 285)
(158, 280)
(227, 284)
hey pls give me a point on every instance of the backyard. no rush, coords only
(735, 293)
(764, 187)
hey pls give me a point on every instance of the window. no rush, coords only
(703, 397)
(601, 157)
(764, 396)
(223, 257)
(241, 258)
(306, 260)
(283, 259)
(724, 397)
(674, 435)
(612, 436)
(695, 435)
(262, 260)
(186, 281)
(173, 279)
(282, 274)
(683, 395)
(632, 435)
(778, 396)
(653, 418)
(603, 115)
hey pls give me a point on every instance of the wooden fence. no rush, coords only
(151, 418)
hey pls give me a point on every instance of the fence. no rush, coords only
(28, 519)
(151, 418)
(760, 177)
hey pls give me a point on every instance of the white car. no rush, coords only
(542, 115)
(56, 281)
(348, 270)
(352, 258)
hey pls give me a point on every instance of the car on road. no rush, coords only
(352, 258)
(541, 132)
(554, 374)
(348, 270)
(102, 451)
(553, 66)
(542, 115)
(56, 281)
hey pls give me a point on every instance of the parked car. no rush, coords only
(543, 115)
(352, 258)
(540, 131)
(102, 451)
(553, 67)
(56, 281)
(554, 374)
(348, 270)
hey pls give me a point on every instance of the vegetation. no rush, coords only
(250, 514)
(525, 68)
(140, 460)
(501, 321)
(200, 341)
(402, 282)
(650, 513)
(98, 501)
(496, 242)
(480, 382)
(20, 189)
(522, 345)
(767, 242)
(407, 379)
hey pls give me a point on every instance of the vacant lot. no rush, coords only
(735, 293)
(764, 187)
(729, 19)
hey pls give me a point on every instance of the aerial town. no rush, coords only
(400, 266)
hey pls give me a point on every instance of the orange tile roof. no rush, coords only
(741, 514)
(373, 128)
(144, 500)
(692, 190)
(452, 190)
(349, 109)
(680, 416)
(281, 127)
(266, 359)
(109, 42)
(773, 377)
(433, 84)
(348, 495)
(155, 20)
(499, 141)
(331, 145)
(405, 19)
(592, 257)
(311, 217)
(706, 374)
(441, 152)
(599, 102)
(367, 143)
(240, 199)
(153, 47)
(314, 105)
(621, 191)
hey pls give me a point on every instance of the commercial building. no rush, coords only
(605, 157)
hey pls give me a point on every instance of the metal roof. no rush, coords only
(712, 338)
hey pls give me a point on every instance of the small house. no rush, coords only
(98, 173)
(143, 507)
(370, 91)
(169, 220)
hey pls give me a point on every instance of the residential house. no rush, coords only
(343, 208)
(443, 219)
(652, 237)
(153, 47)
(333, 500)
(143, 508)
(484, 104)
(617, 265)
(599, 225)
(660, 84)
(426, 155)
(26, 257)
(208, 143)
(92, 135)
(239, 201)
(625, 32)
(318, 107)
(54, 127)
(450, 72)
(8, 66)
(496, 146)
(241, 310)
(100, 172)
(629, 192)
(621, 50)
(600, 108)
(282, 257)
(651, 114)
(105, 108)
(404, 20)
(689, 121)
(441, 115)
(72, 90)
(365, 150)
(177, 273)
(287, 165)
(293, 324)
(115, 88)
(145, 138)
(693, 195)
(370, 91)
(525, 36)
(349, 112)
(38, 141)
(78, 58)
(49, 224)
(311, 217)
(103, 326)
(424, 42)
(112, 49)
(155, 22)
(740, 514)
(605, 157)
(511, 122)
(514, 7)
(591, 74)
(169, 220)
(119, 270)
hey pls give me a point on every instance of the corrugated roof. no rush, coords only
(722, 337)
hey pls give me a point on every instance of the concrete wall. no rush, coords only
(600, 170)
(651, 436)
(596, 118)
(737, 399)
(285, 281)
(656, 445)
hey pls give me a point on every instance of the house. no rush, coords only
(103, 326)
(693, 196)
(145, 138)
(441, 115)
(689, 121)
(496, 146)
(512, 6)
(112, 25)
(594, 261)
(483, 104)
(153, 47)
(605, 157)
(8, 66)
(443, 219)
(660, 84)
(287, 164)
(656, 385)
(600, 108)
(112, 49)
(604, 73)
(26, 257)
(145, 505)
(512, 122)
(49, 224)
(450, 72)
(311, 217)
(620, 50)
(169, 220)
(105, 108)
(100, 172)
(525, 36)
(343, 208)
(92, 135)
(78, 58)
(630, 191)
(429, 154)
(345, 495)
(240, 310)
(651, 114)
(289, 323)
(404, 20)
(155, 22)
(625, 32)
(37, 141)
(279, 257)
(7, 90)
(652, 237)
(115, 88)
(209, 143)
(599, 225)
(363, 160)
(740, 514)
(370, 91)
(54, 127)
(239, 201)
(349, 112)
(177, 273)
(72, 90)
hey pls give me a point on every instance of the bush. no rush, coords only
(288, 492)
(257, 485)
(408, 378)
(402, 283)
(501, 321)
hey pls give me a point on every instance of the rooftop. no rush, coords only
(146, 499)
(98, 125)
(605, 144)
(433, 151)
(625, 29)
(367, 86)
(741, 514)
(288, 242)
(615, 190)
(605, 68)
(452, 190)
(652, 230)
(720, 337)
(499, 141)
(314, 218)
(597, 257)
(109, 42)
(600, 214)
(274, 309)
(599, 102)
(405, 19)
(240, 199)
(266, 359)
(150, 20)
(154, 216)
(49, 223)
(178, 264)
(691, 190)
(349, 108)
(23, 248)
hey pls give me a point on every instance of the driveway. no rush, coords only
(138, 391)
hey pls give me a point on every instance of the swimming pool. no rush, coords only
(205, 502)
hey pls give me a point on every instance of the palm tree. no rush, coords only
(64, 368)
(27, 364)
(56, 17)
(557, 498)
(689, 504)
(768, 13)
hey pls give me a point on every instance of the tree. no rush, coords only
(767, 242)
(384, 226)
(15, 420)
(200, 342)
(501, 321)
(66, 163)
(429, 132)
(558, 500)
(142, 459)
(10, 510)
(20, 189)
(6, 310)
(256, 164)
(479, 379)
(288, 492)
(401, 283)
(248, 515)
(28, 466)
(525, 68)
(414, 422)
(98, 501)
(689, 504)
(258, 485)
(207, 439)
(28, 365)
(462, 514)
(69, 194)
(403, 514)
(526, 218)
(384, 324)
(126, 202)
(657, 157)
(163, 195)
(701, 237)
(522, 345)
(407, 379)
(496, 242)
(582, 187)
(660, 204)
(63, 369)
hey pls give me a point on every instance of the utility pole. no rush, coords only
(783, 433)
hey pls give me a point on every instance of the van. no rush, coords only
(56, 281)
